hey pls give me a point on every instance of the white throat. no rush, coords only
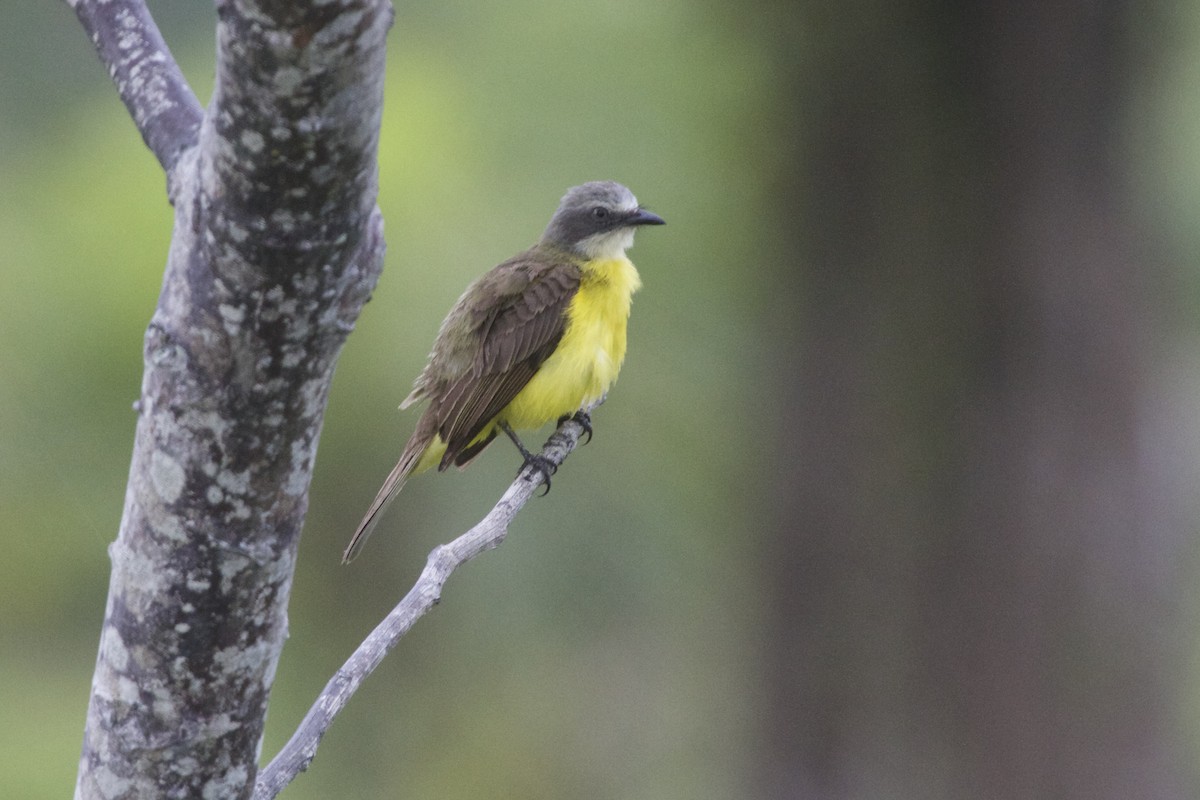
(609, 245)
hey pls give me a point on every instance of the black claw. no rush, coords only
(583, 418)
(542, 465)
(537, 461)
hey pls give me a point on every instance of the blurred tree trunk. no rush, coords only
(978, 557)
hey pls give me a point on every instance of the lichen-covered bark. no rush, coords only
(277, 245)
(158, 98)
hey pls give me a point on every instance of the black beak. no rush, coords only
(644, 217)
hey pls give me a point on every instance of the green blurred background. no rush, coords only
(752, 582)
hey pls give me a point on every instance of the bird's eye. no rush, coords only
(600, 212)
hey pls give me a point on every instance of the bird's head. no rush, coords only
(597, 220)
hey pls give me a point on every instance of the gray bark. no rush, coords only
(277, 244)
(153, 89)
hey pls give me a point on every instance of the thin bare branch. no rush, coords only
(149, 81)
(488, 533)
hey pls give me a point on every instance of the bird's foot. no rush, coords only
(536, 460)
(583, 418)
(542, 465)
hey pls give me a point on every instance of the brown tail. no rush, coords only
(391, 487)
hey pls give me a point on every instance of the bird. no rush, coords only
(539, 337)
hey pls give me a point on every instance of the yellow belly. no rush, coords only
(587, 360)
(585, 363)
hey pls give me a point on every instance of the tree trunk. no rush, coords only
(277, 245)
(978, 552)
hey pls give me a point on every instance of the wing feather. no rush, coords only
(518, 315)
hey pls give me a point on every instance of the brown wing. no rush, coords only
(520, 320)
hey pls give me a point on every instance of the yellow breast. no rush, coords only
(588, 358)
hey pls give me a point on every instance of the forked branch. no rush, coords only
(276, 246)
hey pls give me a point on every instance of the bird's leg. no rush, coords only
(583, 418)
(535, 460)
